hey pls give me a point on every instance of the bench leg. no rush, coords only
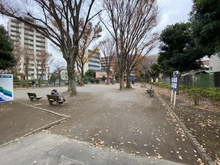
(51, 102)
(151, 93)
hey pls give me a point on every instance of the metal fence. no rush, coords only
(202, 80)
(217, 79)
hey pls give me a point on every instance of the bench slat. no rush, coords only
(53, 98)
(34, 97)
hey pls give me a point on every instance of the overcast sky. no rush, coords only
(170, 12)
(173, 11)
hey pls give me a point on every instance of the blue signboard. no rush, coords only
(174, 81)
(6, 87)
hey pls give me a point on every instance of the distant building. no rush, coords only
(101, 73)
(214, 63)
(25, 36)
(105, 61)
(205, 63)
(63, 74)
(214, 68)
(94, 63)
(152, 59)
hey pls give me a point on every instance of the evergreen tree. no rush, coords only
(7, 59)
(178, 51)
(53, 78)
(206, 25)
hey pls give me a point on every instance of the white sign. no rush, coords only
(6, 87)
(174, 82)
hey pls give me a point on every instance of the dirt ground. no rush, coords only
(17, 119)
(202, 120)
(95, 118)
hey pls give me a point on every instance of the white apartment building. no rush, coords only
(34, 42)
(94, 63)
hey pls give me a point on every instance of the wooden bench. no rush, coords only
(34, 97)
(150, 91)
(54, 99)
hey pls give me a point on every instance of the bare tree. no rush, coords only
(90, 34)
(59, 21)
(131, 25)
(109, 54)
(27, 56)
(41, 65)
(59, 67)
(17, 53)
(150, 66)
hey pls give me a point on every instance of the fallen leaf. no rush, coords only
(159, 156)
(147, 154)
(200, 161)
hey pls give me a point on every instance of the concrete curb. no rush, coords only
(46, 110)
(34, 131)
(201, 151)
(64, 117)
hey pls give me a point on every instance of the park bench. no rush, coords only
(150, 91)
(34, 97)
(54, 99)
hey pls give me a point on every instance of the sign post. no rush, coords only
(6, 87)
(174, 86)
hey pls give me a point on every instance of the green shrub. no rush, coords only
(210, 93)
(161, 84)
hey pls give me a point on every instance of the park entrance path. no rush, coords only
(129, 121)
(121, 126)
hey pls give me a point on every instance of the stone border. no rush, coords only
(201, 151)
(46, 110)
(64, 117)
(34, 131)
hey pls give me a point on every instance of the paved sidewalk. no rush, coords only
(49, 149)
(106, 126)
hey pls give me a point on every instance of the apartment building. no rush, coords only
(94, 62)
(25, 37)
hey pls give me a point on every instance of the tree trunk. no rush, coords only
(59, 82)
(81, 78)
(113, 79)
(121, 80)
(27, 84)
(39, 80)
(39, 83)
(107, 78)
(71, 76)
(128, 82)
